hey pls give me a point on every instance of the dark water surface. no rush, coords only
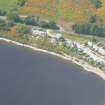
(34, 78)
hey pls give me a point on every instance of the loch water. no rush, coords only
(34, 78)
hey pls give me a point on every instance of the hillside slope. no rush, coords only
(81, 16)
(71, 10)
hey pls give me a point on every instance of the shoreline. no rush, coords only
(85, 66)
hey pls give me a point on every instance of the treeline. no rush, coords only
(93, 27)
(32, 20)
(90, 29)
(36, 21)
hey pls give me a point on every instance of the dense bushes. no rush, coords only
(90, 29)
(23, 31)
(36, 21)
(32, 20)
(50, 25)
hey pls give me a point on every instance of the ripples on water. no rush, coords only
(34, 78)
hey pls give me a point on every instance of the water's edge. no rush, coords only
(85, 66)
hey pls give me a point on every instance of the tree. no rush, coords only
(21, 2)
(53, 25)
(93, 19)
(97, 3)
(31, 20)
(2, 12)
(13, 17)
(90, 29)
(97, 30)
(44, 24)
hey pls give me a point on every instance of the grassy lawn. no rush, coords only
(84, 38)
(78, 38)
(7, 4)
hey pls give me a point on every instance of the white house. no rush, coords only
(90, 44)
(54, 34)
(54, 41)
(97, 48)
(68, 43)
(101, 51)
(39, 32)
(49, 32)
(57, 36)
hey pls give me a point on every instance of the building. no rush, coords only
(58, 36)
(68, 43)
(97, 48)
(39, 32)
(54, 34)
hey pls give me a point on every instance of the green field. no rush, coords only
(84, 38)
(7, 4)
